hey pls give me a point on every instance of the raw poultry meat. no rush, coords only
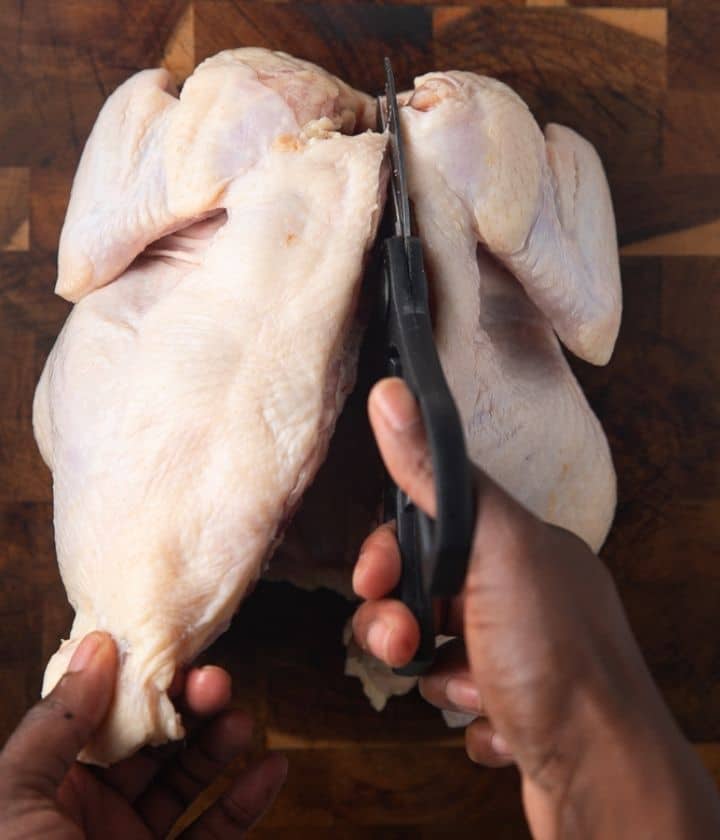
(519, 240)
(214, 244)
(520, 244)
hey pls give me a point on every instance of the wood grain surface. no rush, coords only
(641, 80)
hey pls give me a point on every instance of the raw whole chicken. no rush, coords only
(214, 245)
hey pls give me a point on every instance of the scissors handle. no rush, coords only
(435, 551)
(413, 532)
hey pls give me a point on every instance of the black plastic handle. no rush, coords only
(412, 589)
(434, 552)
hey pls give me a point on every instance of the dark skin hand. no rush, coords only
(544, 658)
(45, 793)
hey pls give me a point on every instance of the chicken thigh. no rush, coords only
(519, 244)
(214, 246)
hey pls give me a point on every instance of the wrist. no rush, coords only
(635, 775)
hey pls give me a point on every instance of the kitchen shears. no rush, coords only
(434, 552)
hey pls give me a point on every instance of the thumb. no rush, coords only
(398, 427)
(397, 424)
(43, 747)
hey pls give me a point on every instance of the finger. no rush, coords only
(378, 568)
(485, 746)
(193, 769)
(206, 692)
(450, 685)
(243, 805)
(52, 733)
(397, 425)
(388, 630)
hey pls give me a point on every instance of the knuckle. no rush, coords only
(478, 589)
(24, 780)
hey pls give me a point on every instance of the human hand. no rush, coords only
(44, 792)
(548, 661)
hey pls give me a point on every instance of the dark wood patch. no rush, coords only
(26, 299)
(632, 4)
(664, 430)
(396, 788)
(648, 206)
(20, 462)
(692, 132)
(570, 68)
(30, 589)
(59, 63)
(693, 55)
(348, 40)
(48, 203)
(14, 208)
(296, 640)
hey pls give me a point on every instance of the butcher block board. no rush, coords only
(641, 80)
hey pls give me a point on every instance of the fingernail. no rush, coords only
(378, 635)
(358, 573)
(463, 694)
(399, 408)
(85, 652)
(499, 744)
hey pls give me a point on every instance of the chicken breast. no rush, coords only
(520, 247)
(214, 246)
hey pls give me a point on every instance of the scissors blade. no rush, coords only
(390, 122)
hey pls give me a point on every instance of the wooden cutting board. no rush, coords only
(641, 80)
